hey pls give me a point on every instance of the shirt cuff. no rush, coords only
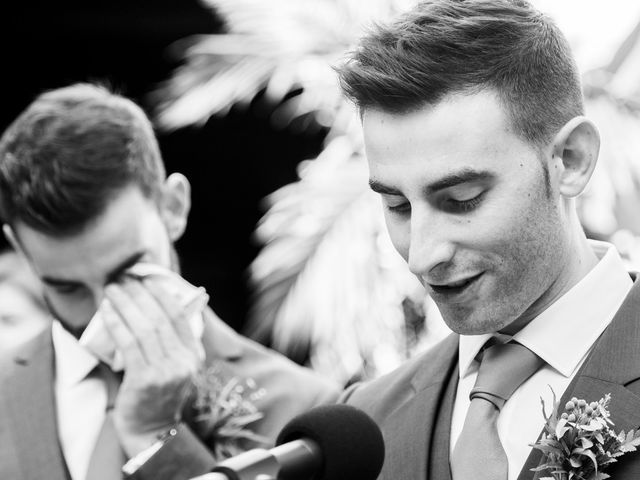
(177, 455)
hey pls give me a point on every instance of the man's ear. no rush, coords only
(175, 204)
(576, 145)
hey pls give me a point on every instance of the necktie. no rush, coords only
(478, 454)
(107, 458)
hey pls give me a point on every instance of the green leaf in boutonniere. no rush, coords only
(579, 443)
(224, 409)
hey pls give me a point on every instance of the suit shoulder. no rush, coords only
(23, 353)
(381, 396)
(288, 389)
(251, 359)
(275, 368)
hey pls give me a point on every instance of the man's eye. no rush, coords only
(66, 289)
(462, 206)
(399, 208)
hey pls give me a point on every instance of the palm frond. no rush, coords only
(327, 280)
(272, 47)
(615, 184)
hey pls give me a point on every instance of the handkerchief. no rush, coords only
(96, 338)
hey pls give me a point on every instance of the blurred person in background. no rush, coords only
(85, 198)
(23, 313)
(476, 139)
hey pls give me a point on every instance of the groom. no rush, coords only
(478, 145)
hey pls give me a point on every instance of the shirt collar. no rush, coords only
(73, 361)
(563, 334)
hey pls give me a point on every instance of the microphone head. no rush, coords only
(351, 442)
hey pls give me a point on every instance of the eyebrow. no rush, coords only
(457, 178)
(380, 187)
(113, 275)
(451, 180)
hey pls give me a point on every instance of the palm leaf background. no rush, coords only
(271, 47)
(330, 290)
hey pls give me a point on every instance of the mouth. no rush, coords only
(454, 289)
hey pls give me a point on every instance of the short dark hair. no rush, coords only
(70, 152)
(443, 47)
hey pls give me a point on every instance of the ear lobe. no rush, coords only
(577, 145)
(176, 203)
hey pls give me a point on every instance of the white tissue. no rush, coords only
(96, 338)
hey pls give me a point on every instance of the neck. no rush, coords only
(579, 260)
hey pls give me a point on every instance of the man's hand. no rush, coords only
(152, 332)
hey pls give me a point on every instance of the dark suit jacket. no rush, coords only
(413, 404)
(29, 446)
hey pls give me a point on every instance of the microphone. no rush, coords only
(330, 442)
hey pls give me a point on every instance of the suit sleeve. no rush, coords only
(180, 457)
(289, 390)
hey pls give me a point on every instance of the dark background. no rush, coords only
(232, 162)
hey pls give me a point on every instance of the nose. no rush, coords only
(92, 302)
(431, 248)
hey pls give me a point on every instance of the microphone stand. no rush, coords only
(261, 464)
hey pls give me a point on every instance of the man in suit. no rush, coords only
(85, 198)
(477, 143)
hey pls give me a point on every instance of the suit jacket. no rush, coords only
(413, 404)
(29, 445)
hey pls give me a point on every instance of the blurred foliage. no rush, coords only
(330, 290)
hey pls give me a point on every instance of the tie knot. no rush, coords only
(503, 369)
(111, 379)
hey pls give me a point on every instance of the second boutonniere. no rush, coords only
(579, 442)
(224, 410)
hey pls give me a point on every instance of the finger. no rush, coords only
(153, 310)
(180, 315)
(125, 341)
(138, 324)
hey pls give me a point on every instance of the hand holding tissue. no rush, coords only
(191, 299)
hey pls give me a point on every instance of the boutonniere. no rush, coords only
(579, 443)
(224, 410)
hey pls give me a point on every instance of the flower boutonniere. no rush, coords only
(579, 443)
(224, 409)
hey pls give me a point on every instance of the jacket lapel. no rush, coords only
(31, 412)
(409, 427)
(613, 363)
(439, 465)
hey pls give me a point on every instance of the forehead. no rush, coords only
(462, 132)
(129, 224)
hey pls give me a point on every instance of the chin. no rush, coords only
(472, 324)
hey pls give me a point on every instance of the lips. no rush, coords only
(454, 288)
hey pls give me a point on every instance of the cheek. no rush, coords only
(74, 309)
(161, 255)
(528, 243)
(514, 224)
(399, 233)
(159, 247)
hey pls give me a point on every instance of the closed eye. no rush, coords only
(66, 289)
(63, 288)
(453, 205)
(401, 208)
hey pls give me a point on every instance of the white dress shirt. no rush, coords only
(80, 401)
(562, 336)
